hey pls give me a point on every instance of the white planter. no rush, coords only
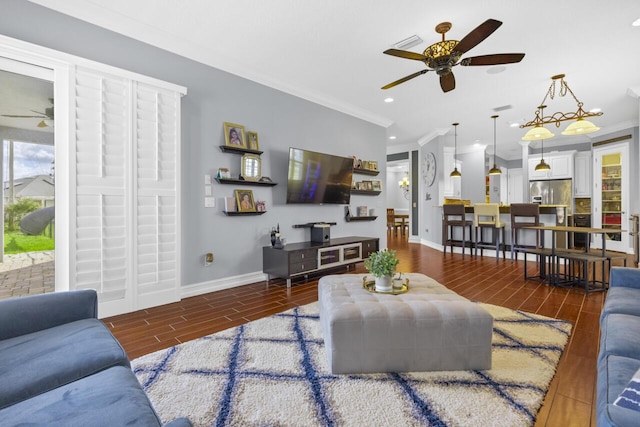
(384, 284)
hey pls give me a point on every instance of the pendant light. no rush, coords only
(495, 170)
(539, 132)
(455, 173)
(542, 166)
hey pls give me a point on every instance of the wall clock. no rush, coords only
(429, 169)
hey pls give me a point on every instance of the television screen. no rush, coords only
(318, 178)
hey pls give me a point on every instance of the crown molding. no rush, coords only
(96, 14)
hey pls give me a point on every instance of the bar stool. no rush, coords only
(486, 216)
(454, 216)
(524, 215)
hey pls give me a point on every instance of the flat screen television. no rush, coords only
(318, 178)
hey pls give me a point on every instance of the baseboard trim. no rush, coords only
(220, 284)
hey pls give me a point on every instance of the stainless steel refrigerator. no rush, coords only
(554, 192)
(551, 192)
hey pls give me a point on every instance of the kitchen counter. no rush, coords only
(506, 209)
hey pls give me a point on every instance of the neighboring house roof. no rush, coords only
(36, 187)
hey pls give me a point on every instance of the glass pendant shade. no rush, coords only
(538, 133)
(580, 127)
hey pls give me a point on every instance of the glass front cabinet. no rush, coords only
(610, 196)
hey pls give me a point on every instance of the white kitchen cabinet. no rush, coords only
(582, 174)
(561, 166)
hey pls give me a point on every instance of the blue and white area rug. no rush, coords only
(273, 372)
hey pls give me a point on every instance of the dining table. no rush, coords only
(403, 221)
(553, 274)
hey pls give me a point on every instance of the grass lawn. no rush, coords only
(15, 242)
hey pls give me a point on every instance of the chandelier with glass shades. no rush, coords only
(579, 127)
(404, 184)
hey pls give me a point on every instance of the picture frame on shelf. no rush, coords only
(251, 167)
(230, 204)
(224, 173)
(368, 185)
(253, 141)
(234, 135)
(376, 185)
(373, 165)
(245, 201)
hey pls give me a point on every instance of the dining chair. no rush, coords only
(391, 221)
(486, 217)
(453, 216)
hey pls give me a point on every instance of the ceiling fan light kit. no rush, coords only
(579, 127)
(442, 56)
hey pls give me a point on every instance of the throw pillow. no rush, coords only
(630, 396)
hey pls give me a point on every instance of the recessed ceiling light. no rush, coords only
(514, 124)
(595, 110)
(392, 137)
(476, 145)
(636, 23)
(387, 100)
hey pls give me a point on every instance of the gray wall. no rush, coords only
(214, 96)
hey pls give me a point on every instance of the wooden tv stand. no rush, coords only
(300, 259)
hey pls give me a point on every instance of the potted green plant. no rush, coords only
(382, 264)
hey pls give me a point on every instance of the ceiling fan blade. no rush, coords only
(406, 54)
(480, 33)
(24, 117)
(447, 82)
(495, 59)
(404, 79)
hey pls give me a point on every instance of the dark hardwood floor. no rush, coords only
(571, 396)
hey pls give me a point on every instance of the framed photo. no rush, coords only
(251, 167)
(244, 199)
(373, 165)
(368, 185)
(253, 141)
(234, 135)
(377, 185)
(224, 173)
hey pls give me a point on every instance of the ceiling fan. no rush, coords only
(441, 57)
(47, 115)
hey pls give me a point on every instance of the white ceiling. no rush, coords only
(330, 52)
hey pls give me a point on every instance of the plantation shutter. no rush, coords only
(127, 137)
(102, 131)
(157, 132)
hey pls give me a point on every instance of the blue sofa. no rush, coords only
(61, 366)
(619, 353)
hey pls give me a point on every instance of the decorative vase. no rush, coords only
(384, 284)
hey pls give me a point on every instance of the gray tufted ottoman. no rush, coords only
(429, 328)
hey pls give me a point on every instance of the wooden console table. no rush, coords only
(301, 259)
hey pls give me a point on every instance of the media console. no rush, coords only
(300, 259)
